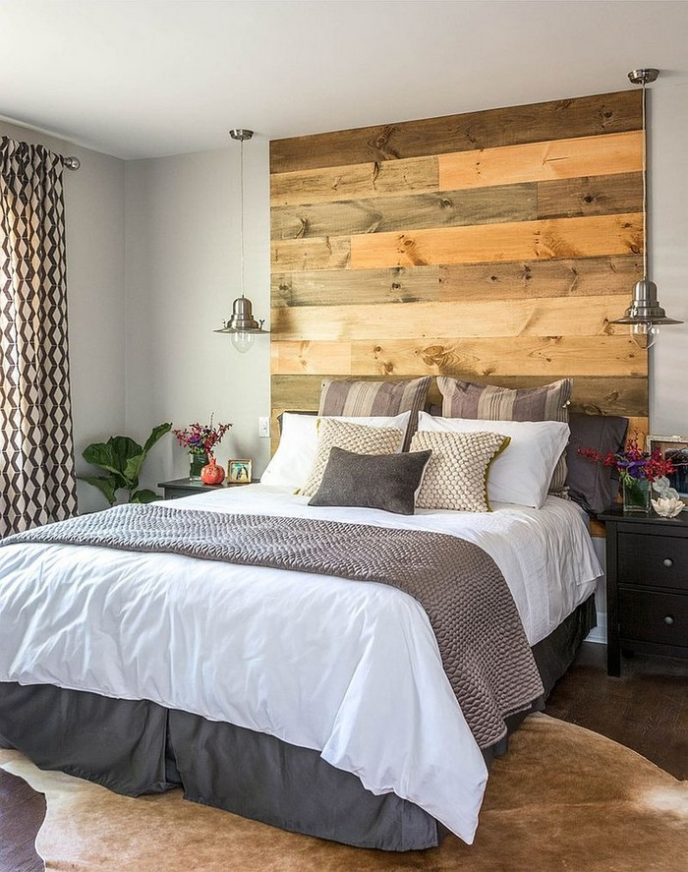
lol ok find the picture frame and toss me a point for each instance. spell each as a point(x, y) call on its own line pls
point(239, 471)
point(676, 449)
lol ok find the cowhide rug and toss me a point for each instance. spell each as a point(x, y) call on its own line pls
point(564, 798)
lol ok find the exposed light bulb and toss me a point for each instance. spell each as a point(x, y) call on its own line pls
point(644, 334)
point(242, 340)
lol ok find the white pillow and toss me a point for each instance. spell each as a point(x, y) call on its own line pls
point(522, 472)
point(298, 446)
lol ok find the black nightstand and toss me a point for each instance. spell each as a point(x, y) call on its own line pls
point(186, 487)
point(647, 585)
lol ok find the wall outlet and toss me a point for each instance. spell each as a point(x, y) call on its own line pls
point(264, 428)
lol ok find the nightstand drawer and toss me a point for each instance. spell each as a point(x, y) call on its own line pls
point(657, 561)
point(173, 493)
point(649, 616)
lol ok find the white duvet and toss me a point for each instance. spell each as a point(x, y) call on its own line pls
point(348, 668)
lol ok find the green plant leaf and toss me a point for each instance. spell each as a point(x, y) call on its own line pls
point(143, 496)
point(107, 486)
point(157, 434)
point(113, 456)
point(135, 462)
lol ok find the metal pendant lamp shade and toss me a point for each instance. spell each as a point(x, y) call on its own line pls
point(242, 326)
point(645, 315)
point(644, 306)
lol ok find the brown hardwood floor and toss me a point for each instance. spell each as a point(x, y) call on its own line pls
point(646, 709)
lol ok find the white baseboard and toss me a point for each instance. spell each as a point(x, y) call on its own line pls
point(599, 633)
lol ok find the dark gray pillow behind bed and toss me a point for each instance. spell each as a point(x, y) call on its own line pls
point(592, 485)
point(374, 481)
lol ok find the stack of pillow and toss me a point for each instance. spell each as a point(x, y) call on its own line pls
point(371, 445)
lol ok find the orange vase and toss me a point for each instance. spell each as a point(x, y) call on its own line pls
point(212, 474)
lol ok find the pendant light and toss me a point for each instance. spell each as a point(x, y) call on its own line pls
point(644, 315)
point(242, 326)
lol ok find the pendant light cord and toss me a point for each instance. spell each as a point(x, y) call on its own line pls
point(241, 162)
point(644, 117)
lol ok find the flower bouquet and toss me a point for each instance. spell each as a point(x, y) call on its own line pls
point(199, 440)
point(637, 470)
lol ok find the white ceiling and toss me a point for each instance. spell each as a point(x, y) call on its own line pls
point(142, 78)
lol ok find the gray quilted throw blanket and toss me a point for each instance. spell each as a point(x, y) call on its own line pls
point(481, 639)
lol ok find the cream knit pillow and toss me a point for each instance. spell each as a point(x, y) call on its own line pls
point(335, 433)
point(456, 474)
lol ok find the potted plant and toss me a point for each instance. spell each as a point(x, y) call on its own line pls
point(122, 458)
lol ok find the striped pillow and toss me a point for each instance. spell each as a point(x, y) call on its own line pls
point(462, 399)
point(367, 399)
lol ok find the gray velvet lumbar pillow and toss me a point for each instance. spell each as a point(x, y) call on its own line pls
point(375, 481)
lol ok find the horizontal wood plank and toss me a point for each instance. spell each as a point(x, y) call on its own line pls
point(344, 287)
point(328, 252)
point(568, 277)
point(368, 180)
point(593, 395)
point(297, 358)
point(560, 316)
point(590, 236)
point(420, 211)
point(593, 195)
point(458, 282)
point(576, 356)
point(557, 119)
point(540, 161)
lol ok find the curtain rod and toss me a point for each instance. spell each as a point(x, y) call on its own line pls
point(72, 163)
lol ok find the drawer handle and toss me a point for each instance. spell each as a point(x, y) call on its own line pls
point(668, 562)
point(669, 620)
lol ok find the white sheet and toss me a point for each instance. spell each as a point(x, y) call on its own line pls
point(350, 669)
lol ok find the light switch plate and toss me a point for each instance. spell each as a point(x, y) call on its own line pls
point(264, 428)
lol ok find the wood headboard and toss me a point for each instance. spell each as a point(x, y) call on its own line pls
point(495, 246)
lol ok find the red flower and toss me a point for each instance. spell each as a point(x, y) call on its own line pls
point(632, 463)
point(201, 437)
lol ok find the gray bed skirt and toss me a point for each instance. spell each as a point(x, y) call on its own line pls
point(137, 747)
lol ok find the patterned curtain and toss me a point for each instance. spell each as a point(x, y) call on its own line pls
point(37, 482)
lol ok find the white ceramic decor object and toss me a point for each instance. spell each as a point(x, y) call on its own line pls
point(668, 507)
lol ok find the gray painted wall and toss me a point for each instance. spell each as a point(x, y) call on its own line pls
point(182, 273)
point(94, 206)
point(669, 253)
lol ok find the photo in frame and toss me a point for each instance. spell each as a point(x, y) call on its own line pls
point(239, 471)
point(674, 448)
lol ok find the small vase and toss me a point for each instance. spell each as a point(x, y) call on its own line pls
point(212, 474)
point(636, 496)
point(197, 460)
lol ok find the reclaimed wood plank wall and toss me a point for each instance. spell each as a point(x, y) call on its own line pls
point(495, 246)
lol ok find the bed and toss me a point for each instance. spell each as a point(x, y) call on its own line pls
point(312, 703)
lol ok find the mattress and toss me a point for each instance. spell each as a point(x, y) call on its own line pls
point(350, 670)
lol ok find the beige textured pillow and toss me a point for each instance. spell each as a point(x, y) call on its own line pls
point(333, 433)
point(456, 474)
